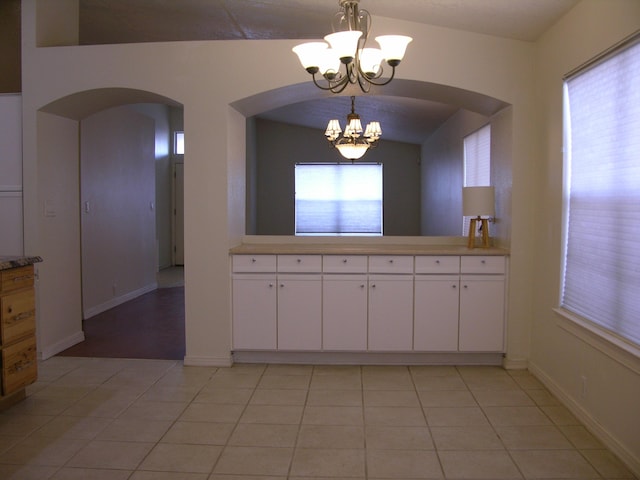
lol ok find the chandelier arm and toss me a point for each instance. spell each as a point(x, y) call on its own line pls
point(379, 84)
point(337, 87)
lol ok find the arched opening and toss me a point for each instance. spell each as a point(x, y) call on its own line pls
point(106, 183)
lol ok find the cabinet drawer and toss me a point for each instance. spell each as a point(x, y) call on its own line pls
point(16, 278)
point(482, 264)
point(17, 316)
point(437, 264)
point(391, 264)
point(254, 263)
point(19, 365)
point(300, 263)
point(344, 264)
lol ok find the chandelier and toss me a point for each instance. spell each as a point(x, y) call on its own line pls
point(363, 65)
point(353, 144)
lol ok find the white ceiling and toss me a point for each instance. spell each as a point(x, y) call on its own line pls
point(409, 120)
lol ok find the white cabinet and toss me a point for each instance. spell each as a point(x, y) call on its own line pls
point(482, 300)
point(375, 303)
point(299, 312)
point(254, 311)
point(481, 313)
point(436, 313)
point(344, 312)
point(390, 312)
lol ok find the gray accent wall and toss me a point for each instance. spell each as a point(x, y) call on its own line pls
point(278, 147)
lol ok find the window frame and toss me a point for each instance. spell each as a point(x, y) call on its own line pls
point(606, 340)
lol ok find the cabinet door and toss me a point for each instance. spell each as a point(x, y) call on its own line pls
point(390, 313)
point(299, 312)
point(344, 312)
point(435, 327)
point(481, 313)
point(254, 312)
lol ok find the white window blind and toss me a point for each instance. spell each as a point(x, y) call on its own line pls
point(477, 163)
point(338, 199)
point(601, 280)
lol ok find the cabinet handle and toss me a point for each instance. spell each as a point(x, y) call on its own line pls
point(282, 285)
point(391, 261)
point(362, 286)
point(373, 286)
point(299, 260)
point(22, 277)
point(253, 260)
point(10, 309)
point(271, 285)
point(438, 262)
point(453, 286)
point(344, 260)
point(483, 261)
point(466, 286)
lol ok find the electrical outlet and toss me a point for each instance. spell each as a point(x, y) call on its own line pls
point(583, 389)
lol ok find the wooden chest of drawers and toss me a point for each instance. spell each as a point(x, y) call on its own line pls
point(19, 367)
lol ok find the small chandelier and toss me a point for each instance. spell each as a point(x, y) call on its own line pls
point(351, 146)
point(363, 65)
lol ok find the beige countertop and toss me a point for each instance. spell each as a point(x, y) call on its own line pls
point(360, 249)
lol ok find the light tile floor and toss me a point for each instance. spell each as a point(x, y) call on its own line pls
point(117, 419)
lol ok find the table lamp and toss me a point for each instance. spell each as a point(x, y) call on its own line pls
point(478, 202)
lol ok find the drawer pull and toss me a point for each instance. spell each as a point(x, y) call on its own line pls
point(453, 286)
point(391, 261)
point(253, 260)
point(22, 278)
point(22, 316)
point(344, 260)
point(362, 286)
point(271, 285)
point(9, 309)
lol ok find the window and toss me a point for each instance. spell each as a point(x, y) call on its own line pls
point(477, 163)
point(178, 143)
point(601, 270)
point(338, 199)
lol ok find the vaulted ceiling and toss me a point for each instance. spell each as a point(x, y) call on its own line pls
point(403, 119)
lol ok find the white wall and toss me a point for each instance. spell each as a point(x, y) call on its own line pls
point(501, 69)
point(561, 355)
point(117, 199)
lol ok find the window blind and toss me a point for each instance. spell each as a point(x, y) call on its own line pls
point(477, 163)
point(601, 280)
point(338, 199)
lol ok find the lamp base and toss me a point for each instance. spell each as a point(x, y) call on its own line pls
point(473, 223)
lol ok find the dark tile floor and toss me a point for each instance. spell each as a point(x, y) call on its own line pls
point(150, 326)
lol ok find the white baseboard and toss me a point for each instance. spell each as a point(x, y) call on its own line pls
point(114, 302)
point(194, 361)
point(602, 434)
point(515, 363)
point(62, 345)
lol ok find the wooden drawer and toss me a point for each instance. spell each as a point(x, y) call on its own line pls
point(344, 264)
point(299, 263)
point(16, 279)
point(17, 316)
point(19, 365)
point(391, 264)
point(437, 264)
point(482, 264)
point(253, 263)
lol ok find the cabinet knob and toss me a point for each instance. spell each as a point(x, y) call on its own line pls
point(391, 261)
point(282, 285)
point(271, 285)
point(373, 286)
point(466, 286)
point(299, 260)
point(9, 310)
point(253, 260)
point(453, 286)
point(438, 261)
point(344, 260)
point(362, 286)
point(483, 261)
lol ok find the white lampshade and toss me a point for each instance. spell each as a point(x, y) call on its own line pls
point(344, 43)
point(353, 128)
point(352, 151)
point(373, 131)
point(329, 62)
point(310, 53)
point(393, 46)
point(478, 201)
point(370, 60)
point(333, 130)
